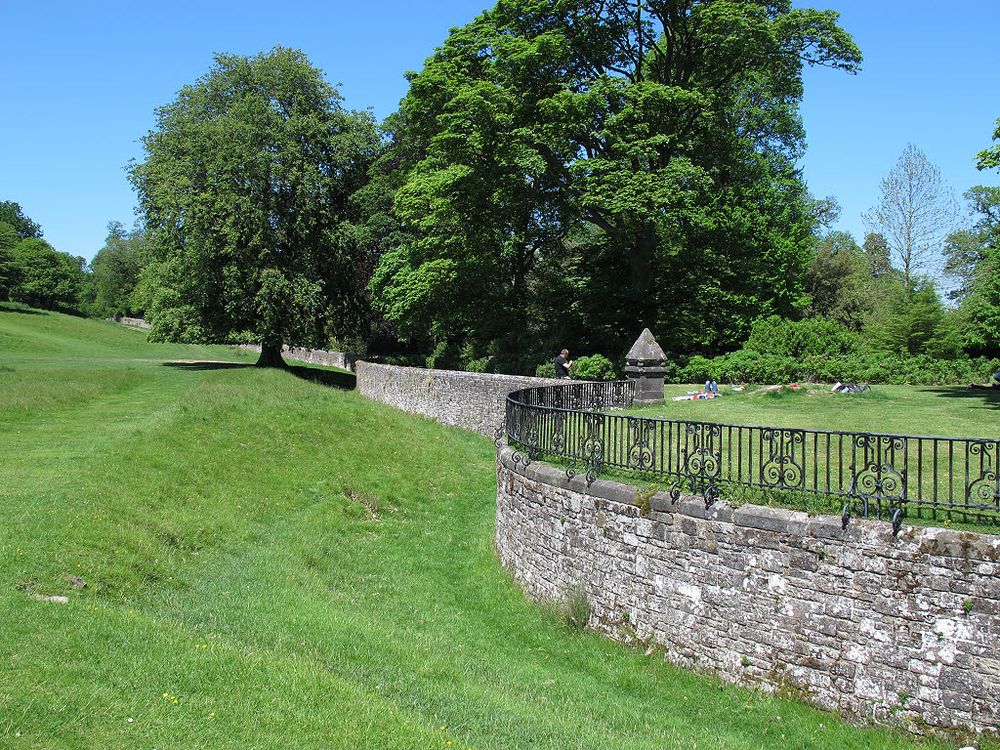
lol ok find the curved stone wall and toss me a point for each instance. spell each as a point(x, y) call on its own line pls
point(470, 400)
point(890, 629)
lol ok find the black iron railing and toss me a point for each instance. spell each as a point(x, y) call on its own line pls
point(883, 475)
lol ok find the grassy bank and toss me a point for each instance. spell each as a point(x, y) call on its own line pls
point(269, 562)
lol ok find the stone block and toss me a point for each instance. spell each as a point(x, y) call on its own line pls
point(777, 520)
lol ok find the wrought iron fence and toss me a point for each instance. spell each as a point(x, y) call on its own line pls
point(883, 475)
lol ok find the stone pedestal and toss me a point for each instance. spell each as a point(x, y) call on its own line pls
point(645, 366)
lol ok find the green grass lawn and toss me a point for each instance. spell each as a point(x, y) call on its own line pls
point(923, 411)
point(273, 563)
point(948, 411)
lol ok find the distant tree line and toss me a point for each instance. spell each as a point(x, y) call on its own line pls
point(32, 271)
point(559, 174)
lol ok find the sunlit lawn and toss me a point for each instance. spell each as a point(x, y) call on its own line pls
point(270, 562)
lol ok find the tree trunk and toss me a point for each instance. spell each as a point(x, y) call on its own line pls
point(270, 356)
point(641, 267)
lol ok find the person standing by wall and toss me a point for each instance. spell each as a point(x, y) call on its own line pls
point(562, 364)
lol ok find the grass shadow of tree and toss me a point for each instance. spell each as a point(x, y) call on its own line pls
point(195, 365)
point(990, 397)
point(330, 378)
point(14, 308)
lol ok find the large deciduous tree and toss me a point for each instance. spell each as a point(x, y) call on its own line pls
point(915, 213)
point(245, 190)
point(607, 166)
point(978, 263)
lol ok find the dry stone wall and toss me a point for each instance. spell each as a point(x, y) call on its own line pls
point(470, 400)
point(897, 630)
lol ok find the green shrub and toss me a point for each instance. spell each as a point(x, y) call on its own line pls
point(697, 370)
point(594, 367)
point(747, 366)
point(801, 338)
point(545, 370)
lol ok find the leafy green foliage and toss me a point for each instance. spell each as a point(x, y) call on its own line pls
point(975, 260)
point(12, 214)
point(593, 367)
point(910, 321)
point(575, 172)
point(990, 158)
point(845, 283)
point(116, 269)
point(545, 370)
point(981, 310)
point(747, 366)
point(801, 338)
point(245, 190)
point(8, 240)
point(45, 277)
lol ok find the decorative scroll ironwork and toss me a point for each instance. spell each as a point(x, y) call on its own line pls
point(640, 443)
point(984, 490)
point(530, 433)
point(878, 478)
point(557, 440)
point(703, 458)
point(593, 445)
point(781, 470)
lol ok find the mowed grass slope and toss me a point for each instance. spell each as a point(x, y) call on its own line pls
point(271, 563)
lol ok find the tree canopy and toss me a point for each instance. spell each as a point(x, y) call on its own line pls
point(989, 158)
point(116, 270)
point(12, 214)
point(975, 259)
point(245, 193)
point(45, 277)
point(622, 164)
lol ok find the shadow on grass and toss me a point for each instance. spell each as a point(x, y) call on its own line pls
point(329, 378)
point(194, 366)
point(8, 307)
point(990, 397)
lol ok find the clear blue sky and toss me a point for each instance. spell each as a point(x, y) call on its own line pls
point(83, 80)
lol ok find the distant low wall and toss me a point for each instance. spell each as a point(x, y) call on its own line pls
point(343, 360)
point(134, 322)
point(470, 400)
point(896, 630)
